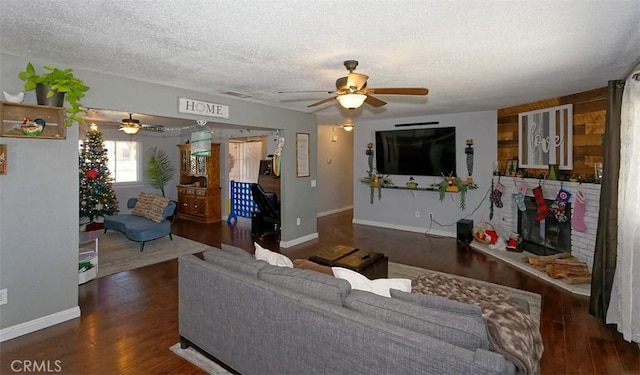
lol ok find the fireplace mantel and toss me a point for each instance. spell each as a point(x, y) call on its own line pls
point(505, 219)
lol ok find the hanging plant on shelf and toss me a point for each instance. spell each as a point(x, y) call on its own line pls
point(376, 181)
point(454, 184)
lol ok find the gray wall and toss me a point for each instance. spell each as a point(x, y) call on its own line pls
point(39, 227)
point(335, 169)
point(397, 208)
point(39, 197)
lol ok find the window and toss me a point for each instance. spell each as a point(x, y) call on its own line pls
point(124, 163)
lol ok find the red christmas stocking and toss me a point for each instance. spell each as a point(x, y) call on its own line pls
point(543, 209)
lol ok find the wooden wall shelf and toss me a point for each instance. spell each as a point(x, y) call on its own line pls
point(13, 114)
point(406, 188)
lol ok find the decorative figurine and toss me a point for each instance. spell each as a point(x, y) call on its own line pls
point(513, 244)
point(369, 153)
point(469, 152)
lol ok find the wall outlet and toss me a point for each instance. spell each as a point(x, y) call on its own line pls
point(3, 297)
point(297, 221)
point(417, 214)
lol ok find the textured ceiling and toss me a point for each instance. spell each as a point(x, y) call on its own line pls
point(472, 55)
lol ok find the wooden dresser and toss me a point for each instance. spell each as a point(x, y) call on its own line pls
point(199, 189)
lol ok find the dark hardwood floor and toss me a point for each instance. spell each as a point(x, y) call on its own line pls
point(130, 319)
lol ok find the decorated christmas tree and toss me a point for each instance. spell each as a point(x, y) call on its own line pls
point(97, 198)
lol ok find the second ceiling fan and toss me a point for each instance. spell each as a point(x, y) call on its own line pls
point(351, 91)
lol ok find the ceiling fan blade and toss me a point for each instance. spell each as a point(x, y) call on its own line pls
point(356, 80)
point(321, 102)
point(303, 91)
point(373, 101)
point(400, 91)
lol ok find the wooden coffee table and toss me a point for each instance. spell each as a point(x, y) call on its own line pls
point(370, 264)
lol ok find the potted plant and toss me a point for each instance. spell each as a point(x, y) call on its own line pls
point(159, 168)
point(57, 81)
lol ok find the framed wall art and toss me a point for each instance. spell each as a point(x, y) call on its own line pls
point(545, 137)
point(3, 158)
point(302, 155)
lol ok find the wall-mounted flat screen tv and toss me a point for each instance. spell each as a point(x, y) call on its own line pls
point(416, 152)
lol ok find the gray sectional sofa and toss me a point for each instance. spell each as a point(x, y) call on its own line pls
point(257, 318)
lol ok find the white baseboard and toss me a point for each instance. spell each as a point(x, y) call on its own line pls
point(39, 323)
point(334, 211)
point(404, 228)
point(297, 241)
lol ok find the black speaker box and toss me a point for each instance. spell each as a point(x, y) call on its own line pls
point(464, 231)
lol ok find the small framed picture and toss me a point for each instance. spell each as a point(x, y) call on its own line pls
point(512, 167)
point(3, 158)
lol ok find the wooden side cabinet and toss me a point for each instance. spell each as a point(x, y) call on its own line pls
point(199, 193)
point(13, 114)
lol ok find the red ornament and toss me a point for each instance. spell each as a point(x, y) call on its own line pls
point(92, 173)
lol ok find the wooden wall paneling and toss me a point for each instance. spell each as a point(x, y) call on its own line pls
point(589, 118)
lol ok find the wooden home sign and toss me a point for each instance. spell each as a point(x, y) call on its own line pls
point(545, 137)
point(198, 107)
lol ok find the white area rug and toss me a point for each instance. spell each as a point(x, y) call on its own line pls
point(117, 253)
point(199, 360)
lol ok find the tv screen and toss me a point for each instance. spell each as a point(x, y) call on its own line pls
point(416, 152)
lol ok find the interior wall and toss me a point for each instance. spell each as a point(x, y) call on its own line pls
point(39, 197)
point(39, 229)
point(129, 95)
point(335, 169)
point(409, 210)
point(589, 113)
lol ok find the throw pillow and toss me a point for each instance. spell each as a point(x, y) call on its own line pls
point(379, 286)
point(307, 282)
point(437, 302)
point(235, 263)
point(271, 257)
point(229, 249)
point(150, 206)
point(461, 330)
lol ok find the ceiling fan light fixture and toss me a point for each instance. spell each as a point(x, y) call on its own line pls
point(130, 129)
point(130, 125)
point(351, 101)
point(347, 127)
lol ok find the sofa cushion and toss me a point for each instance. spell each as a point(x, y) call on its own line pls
point(457, 329)
point(307, 282)
point(378, 286)
point(229, 249)
point(437, 302)
point(247, 266)
point(271, 257)
point(150, 206)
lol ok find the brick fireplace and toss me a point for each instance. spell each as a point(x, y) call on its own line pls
point(582, 244)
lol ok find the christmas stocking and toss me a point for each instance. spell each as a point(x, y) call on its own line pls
point(577, 220)
point(496, 194)
point(543, 209)
point(558, 206)
point(519, 197)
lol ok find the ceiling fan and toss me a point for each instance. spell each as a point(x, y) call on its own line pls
point(351, 91)
point(128, 125)
point(131, 126)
